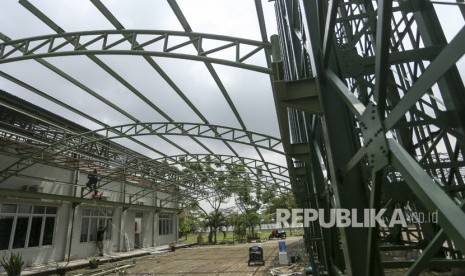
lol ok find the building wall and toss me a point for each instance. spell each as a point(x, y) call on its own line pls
point(47, 253)
point(69, 219)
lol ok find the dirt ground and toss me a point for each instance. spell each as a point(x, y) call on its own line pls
point(219, 260)
point(203, 260)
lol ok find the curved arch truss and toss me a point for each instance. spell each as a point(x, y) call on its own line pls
point(159, 43)
point(168, 168)
point(162, 173)
point(86, 143)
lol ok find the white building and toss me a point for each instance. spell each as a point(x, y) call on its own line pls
point(46, 212)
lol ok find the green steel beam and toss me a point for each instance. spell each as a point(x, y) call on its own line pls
point(366, 65)
point(327, 35)
point(139, 129)
point(79, 200)
point(119, 26)
point(450, 216)
point(152, 168)
point(68, 107)
point(135, 45)
point(179, 14)
point(198, 45)
point(382, 47)
point(438, 263)
point(10, 51)
point(440, 65)
point(301, 95)
point(355, 105)
point(394, 65)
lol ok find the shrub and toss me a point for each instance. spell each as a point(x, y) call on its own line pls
point(13, 265)
point(94, 262)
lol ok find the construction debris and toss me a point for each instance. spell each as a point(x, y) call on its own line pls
point(291, 270)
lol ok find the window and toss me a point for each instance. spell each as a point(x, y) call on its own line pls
point(165, 224)
point(91, 219)
point(6, 224)
point(26, 226)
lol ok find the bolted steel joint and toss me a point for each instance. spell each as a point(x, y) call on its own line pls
point(374, 138)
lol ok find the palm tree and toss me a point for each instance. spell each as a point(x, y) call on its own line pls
point(213, 221)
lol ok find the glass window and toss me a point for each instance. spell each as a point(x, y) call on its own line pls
point(91, 219)
point(26, 226)
point(93, 230)
point(24, 209)
point(84, 229)
point(19, 240)
point(109, 231)
point(36, 229)
point(6, 223)
point(165, 224)
point(49, 228)
point(39, 209)
point(9, 208)
point(51, 210)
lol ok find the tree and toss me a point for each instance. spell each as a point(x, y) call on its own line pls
point(252, 219)
point(237, 221)
point(187, 222)
point(214, 220)
point(282, 201)
point(218, 183)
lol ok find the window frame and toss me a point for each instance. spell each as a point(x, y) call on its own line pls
point(30, 216)
point(95, 216)
point(165, 224)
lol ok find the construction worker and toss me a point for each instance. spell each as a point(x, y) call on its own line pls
point(93, 179)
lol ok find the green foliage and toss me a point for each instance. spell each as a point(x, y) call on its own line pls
point(214, 220)
point(252, 219)
point(243, 223)
point(240, 232)
point(283, 201)
point(12, 265)
point(218, 183)
point(236, 220)
point(187, 222)
point(240, 236)
point(93, 262)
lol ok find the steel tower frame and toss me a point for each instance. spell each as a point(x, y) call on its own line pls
point(370, 102)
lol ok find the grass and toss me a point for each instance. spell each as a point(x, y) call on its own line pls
point(192, 238)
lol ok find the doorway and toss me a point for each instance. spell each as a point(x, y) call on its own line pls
point(138, 233)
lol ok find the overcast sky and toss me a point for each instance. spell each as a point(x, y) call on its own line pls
point(250, 91)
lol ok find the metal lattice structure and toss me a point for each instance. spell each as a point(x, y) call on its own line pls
point(382, 127)
point(34, 137)
point(370, 103)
